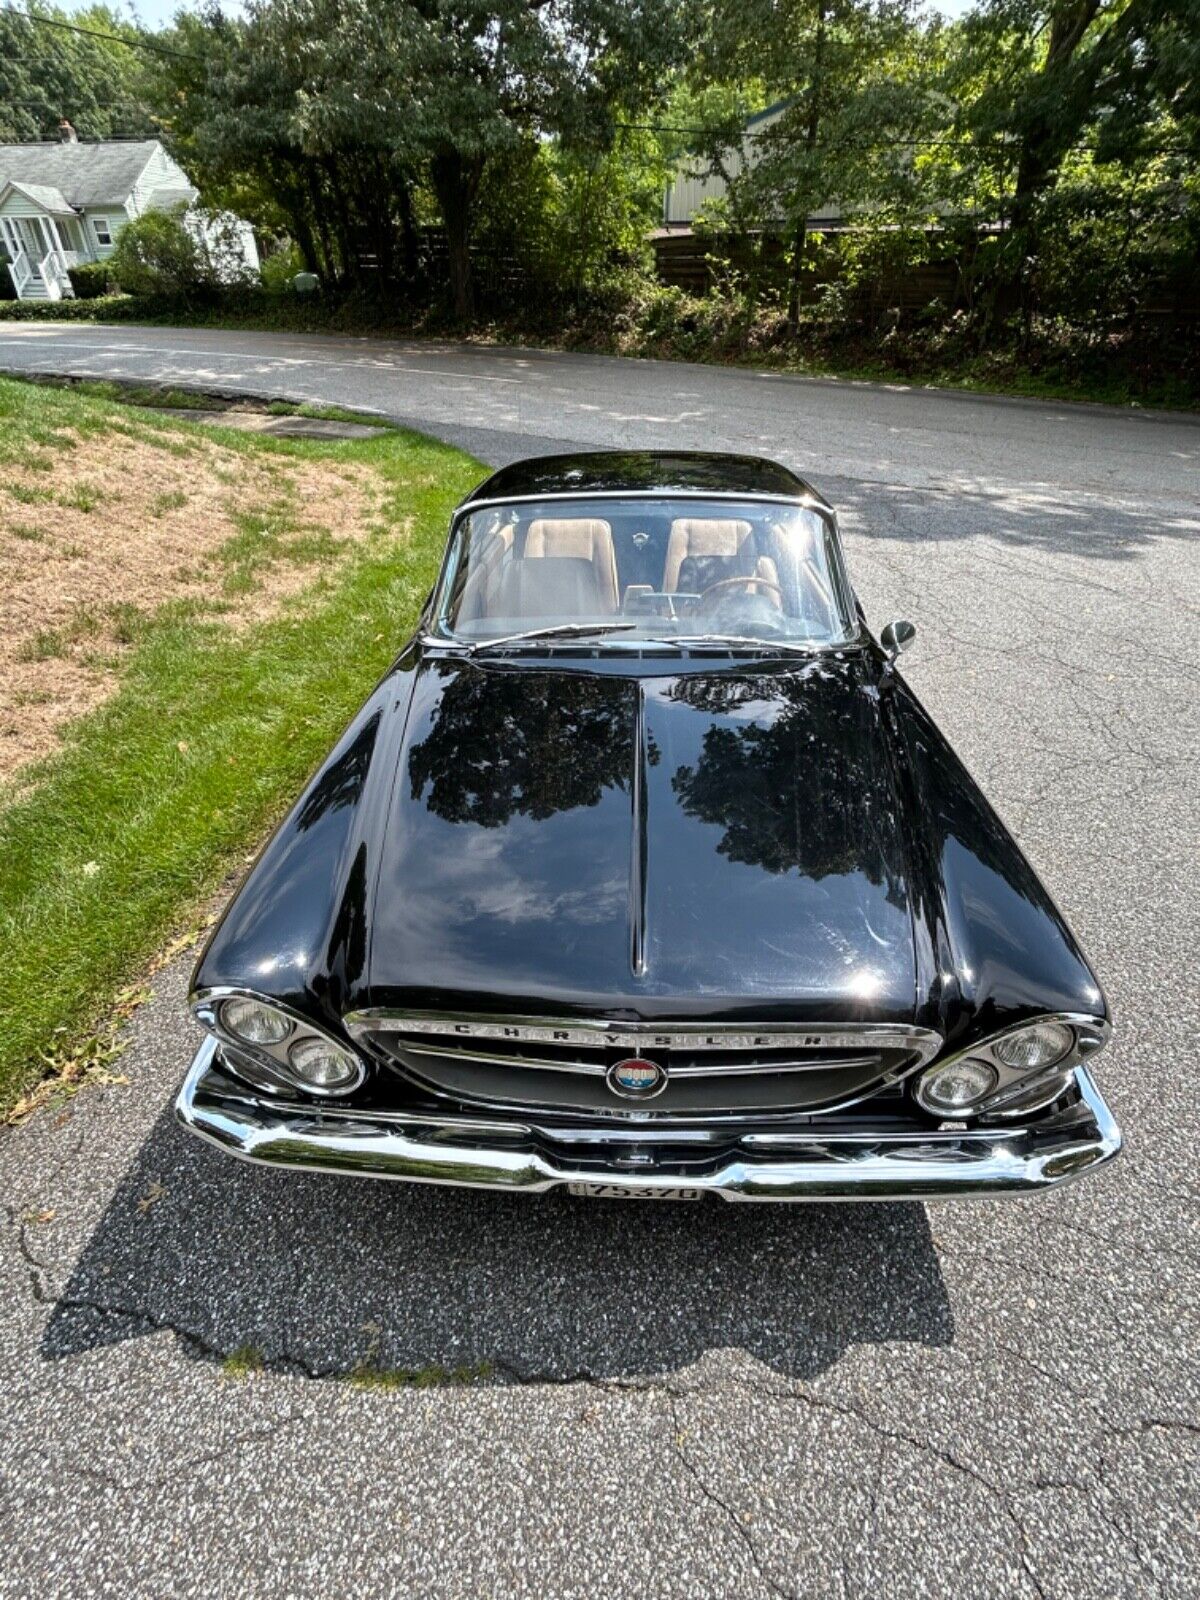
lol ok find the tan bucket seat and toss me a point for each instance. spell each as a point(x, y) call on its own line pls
point(704, 550)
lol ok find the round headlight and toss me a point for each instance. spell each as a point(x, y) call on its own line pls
point(954, 1088)
point(322, 1065)
point(1031, 1048)
point(253, 1022)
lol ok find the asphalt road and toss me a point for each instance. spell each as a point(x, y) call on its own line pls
point(981, 1399)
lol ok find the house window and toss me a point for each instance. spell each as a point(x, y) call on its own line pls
point(102, 230)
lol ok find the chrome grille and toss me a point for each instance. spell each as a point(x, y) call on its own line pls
point(540, 1065)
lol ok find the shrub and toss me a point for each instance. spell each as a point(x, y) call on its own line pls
point(109, 307)
point(7, 287)
point(156, 255)
point(89, 279)
point(280, 267)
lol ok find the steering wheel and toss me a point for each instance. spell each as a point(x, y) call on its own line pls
point(747, 581)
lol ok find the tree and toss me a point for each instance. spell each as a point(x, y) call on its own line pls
point(48, 73)
point(1039, 81)
point(228, 98)
point(851, 104)
point(361, 106)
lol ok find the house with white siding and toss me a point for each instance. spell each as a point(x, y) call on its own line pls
point(696, 182)
point(65, 201)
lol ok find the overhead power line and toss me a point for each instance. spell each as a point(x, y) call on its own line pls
point(642, 127)
point(911, 142)
point(98, 33)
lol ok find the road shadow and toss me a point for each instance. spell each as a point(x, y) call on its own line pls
point(1032, 518)
point(324, 1274)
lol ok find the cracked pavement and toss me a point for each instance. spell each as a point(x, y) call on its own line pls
point(977, 1399)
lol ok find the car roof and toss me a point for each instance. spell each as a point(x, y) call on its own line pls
point(643, 472)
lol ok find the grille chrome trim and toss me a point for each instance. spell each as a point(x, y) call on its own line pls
point(595, 1069)
point(831, 1066)
point(457, 1052)
point(923, 1043)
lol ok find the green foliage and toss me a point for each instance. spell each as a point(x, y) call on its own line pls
point(114, 306)
point(280, 267)
point(90, 279)
point(363, 119)
point(157, 255)
point(48, 73)
point(1025, 177)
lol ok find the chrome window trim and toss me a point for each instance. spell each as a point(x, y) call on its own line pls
point(205, 1006)
point(662, 648)
point(857, 634)
point(806, 502)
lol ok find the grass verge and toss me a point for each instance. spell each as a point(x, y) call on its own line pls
point(116, 841)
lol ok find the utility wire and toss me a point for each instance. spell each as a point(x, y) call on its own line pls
point(97, 33)
point(643, 127)
point(910, 142)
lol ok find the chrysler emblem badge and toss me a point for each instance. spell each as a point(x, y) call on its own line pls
point(635, 1078)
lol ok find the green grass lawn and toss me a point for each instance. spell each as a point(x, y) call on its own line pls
point(110, 847)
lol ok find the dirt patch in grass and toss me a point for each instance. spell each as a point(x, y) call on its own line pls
point(100, 533)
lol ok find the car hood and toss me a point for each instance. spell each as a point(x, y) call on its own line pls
point(705, 843)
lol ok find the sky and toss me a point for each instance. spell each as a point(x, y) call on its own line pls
point(153, 13)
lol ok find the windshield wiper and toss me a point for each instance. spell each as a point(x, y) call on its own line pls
point(559, 630)
point(787, 646)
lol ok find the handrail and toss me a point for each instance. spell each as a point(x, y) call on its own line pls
point(20, 271)
point(53, 277)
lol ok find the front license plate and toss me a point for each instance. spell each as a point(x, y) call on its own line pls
point(620, 1191)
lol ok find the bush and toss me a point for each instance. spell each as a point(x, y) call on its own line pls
point(8, 289)
point(109, 307)
point(89, 279)
point(280, 267)
point(156, 255)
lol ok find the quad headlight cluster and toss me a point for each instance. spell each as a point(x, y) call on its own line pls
point(1020, 1070)
point(276, 1049)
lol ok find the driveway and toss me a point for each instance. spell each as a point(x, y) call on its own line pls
point(982, 1399)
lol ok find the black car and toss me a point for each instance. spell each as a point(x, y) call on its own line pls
point(643, 872)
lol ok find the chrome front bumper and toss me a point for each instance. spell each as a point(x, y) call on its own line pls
point(806, 1164)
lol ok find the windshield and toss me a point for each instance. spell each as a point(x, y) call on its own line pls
point(642, 568)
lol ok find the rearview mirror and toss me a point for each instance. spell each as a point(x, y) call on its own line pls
point(897, 637)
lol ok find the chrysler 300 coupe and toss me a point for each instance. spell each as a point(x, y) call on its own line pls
point(644, 873)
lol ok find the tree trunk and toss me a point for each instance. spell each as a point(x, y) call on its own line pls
point(408, 232)
point(345, 231)
point(456, 185)
point(292, 202)
point(799, 246)
point(317, 204)
point(1047, 135)
point(1046, 138)
point(812, 128)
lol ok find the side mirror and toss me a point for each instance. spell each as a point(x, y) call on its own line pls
point(896, 638)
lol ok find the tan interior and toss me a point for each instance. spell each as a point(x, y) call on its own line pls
point(582, 539)
point(481, 584)
point(723, 537)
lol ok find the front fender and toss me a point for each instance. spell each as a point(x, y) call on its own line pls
point(297, 928)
